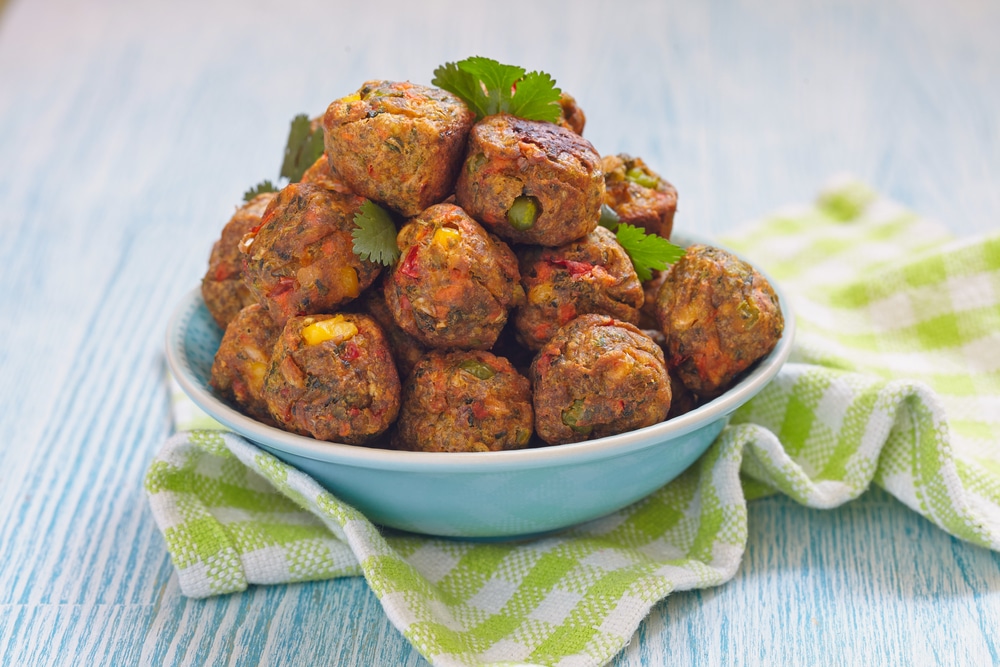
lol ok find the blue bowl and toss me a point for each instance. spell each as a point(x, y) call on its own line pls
point(482, 494)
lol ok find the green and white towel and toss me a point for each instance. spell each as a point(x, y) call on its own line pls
point(894, 379)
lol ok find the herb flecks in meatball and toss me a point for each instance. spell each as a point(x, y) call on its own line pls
point(242, 360)
point(597, 377)
point(465, 401)
point(454, 283)
point(639, 195)
point(591, 275)
point(332, 377)
point(719, 316)
point(398, 143)
point(406, 350)
point(222, 287)
point(301, 259)
point(531, 181)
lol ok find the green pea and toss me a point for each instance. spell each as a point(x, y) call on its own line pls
point(640, 177)
point(574, 414)
point(523, 213)
point(750, 313)
point(477, 368)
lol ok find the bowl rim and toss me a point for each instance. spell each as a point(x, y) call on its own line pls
point(470, 462)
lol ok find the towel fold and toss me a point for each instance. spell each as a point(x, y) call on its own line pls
point(894, 379)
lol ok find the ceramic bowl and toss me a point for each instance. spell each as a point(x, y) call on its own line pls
point(483, 494)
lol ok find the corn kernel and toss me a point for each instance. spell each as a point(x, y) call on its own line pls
point(348, 279)
point(256, 371)
point(446, 237)
point(335, 329)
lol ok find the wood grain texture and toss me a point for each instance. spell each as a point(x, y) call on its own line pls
point(129, 131)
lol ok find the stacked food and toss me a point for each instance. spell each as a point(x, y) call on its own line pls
point(460, 270)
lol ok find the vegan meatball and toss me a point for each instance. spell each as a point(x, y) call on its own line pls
point(398, 143)
point(301, 258)
point(222, 287)
point(571, 116)
point(598, 376)
point(332, 377)
point(242, 359)
point(320, 173)
point(464, 401)
point(591, 275)
point(639, 195)
point(530, 181)
point(719, 316)
point(406, 350)
point(454, 283)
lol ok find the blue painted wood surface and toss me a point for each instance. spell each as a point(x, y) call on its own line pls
point(128, 132)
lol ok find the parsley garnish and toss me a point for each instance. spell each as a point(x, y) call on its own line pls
point(647, 251)
point(490, 87)
point(304, 147)
point(375, 236)
point(259, 189)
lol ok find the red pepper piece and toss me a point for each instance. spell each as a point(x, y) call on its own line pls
point(575, 268)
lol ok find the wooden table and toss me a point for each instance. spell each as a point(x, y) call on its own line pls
point(128, 132)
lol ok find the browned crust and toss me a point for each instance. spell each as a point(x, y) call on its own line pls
point(448, 409)
point(343, 392)
point(398, 143)
point(509, 157)
point(597, 377)
point(719, 316)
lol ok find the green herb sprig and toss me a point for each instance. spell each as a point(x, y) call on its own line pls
point(259, 189)
point(648, 252)
point(304, 147)
point(490, 87)
point(375, 235)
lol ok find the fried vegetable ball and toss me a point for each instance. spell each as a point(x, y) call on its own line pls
point(454, 283)
point(332, 377)
point(398, 143)
point(301, 258)
point(406, 350)
point(320, 173)
point(639, 195)
point(597, 377)
point(591, 275)
point(719, 316)
point(464, 401)
point(531, 181)
point(222, 287)
point(242, 359)
point(571, 116)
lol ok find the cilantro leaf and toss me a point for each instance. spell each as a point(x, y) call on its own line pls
point(536, 97)
point(497, 79)
point(259, 189)
point(490, 87)
point(449, 77)
point(304, 147)
point(647, 251)
point(375, 235)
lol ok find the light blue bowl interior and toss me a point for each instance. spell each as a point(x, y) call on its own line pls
point(477, 495)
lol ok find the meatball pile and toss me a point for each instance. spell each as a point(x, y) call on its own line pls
point(510, 319)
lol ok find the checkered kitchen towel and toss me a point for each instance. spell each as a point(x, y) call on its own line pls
point(895, 379)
